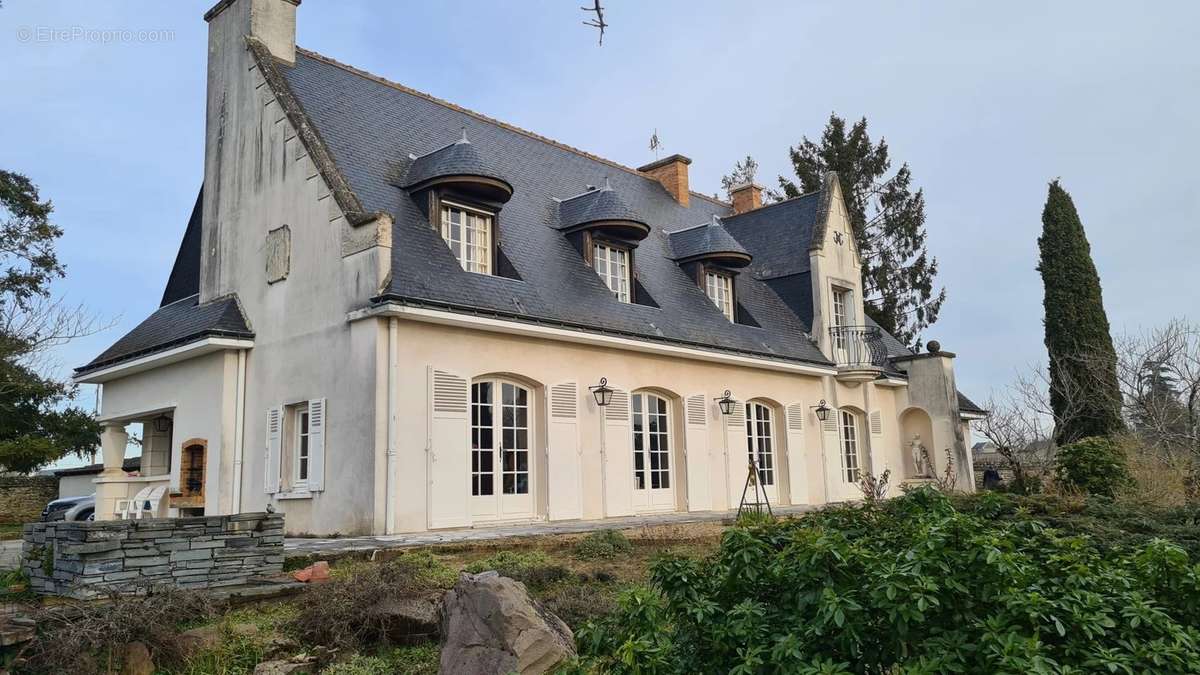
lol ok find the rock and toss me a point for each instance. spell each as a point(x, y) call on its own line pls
point(244, 630)
point(135, 660)
point(196, 640)
point(491, 625)
point(15, 630)
point(408, 620)
point(318, 571)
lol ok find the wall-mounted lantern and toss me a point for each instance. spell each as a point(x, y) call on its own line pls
point(726, 402)
point(162, 424)
point(822, 410)
point(602, 392)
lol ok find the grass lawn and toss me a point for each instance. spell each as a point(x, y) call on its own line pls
point(10, 531)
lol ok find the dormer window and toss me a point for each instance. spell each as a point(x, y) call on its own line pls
point(468, 233)
point(719, 287)
point(612, 264)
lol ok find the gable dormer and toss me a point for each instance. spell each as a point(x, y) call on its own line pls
point(839, 324)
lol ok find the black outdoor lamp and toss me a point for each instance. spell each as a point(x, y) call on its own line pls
point(822, 410)
point(602, 392)
point(162, 424)
point(726, 402)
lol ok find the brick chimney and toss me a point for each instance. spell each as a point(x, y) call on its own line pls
point(746, 197)
point(672, 172)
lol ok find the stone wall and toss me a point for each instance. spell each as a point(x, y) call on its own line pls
point(22, 498)
point(82, 559)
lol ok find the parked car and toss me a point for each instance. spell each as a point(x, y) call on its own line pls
point(71, 508)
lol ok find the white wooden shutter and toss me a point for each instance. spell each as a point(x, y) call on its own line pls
point(565, 478)
point(618, 456)
point(273, 450)
point(833, 457)
point(796, 456)
point(876, 423)
point(699, 492)
point(316, 445)
point(449, 450)
point(738, 461)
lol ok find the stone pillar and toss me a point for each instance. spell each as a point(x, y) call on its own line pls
point(111, 485)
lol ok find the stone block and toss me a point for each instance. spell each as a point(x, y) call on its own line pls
point(211, 543)
point(195, 554)
point(207, 563)
point(122, 576)
point(148, 561)
point(91, 547)
point(104, 567)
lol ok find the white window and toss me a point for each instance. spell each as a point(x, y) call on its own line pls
point(841, 307)
point(720, 290)
point(651, 443)
point(760, 442)
point(849, 429)
point(468, 233)
point(301, 446)
point(612, 264)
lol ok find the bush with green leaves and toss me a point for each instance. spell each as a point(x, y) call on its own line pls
point(533, 568)
point(604, 544)
point(1093, 465)
point(912, 585)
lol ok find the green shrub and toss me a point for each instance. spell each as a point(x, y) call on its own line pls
point(1093, 465)
point(533, 568)
point(753, 519)
point(911, 585)
point(591, 598)
point(604, 544)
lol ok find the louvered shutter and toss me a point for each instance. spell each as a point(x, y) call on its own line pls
point(699, 488)
point(316, 445)
point(738, 461)
point(273, 450)
point(565, 478)
point(876, 423)
point(449, 450)
point(618, 456)
point(796, 456)
point(833, 457)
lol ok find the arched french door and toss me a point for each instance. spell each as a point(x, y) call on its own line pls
point(761, 447)
point(849, 437)
point(653, 483)
point(501, 460)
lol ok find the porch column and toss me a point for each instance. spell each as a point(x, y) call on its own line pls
point(113, 441)
point(110, 486)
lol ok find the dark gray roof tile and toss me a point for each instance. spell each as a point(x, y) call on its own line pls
point(710, 239)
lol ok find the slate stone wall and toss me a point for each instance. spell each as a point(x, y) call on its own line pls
point(84, 559)
point(22, 498)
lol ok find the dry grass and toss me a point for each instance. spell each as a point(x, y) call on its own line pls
point(1157, 480)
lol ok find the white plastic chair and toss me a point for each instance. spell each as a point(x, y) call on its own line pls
point(148, 506)
point(127, 509)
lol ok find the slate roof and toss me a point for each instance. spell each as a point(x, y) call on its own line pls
point(459, 158)
point(185, 274)
point(710, 239)
point(967, 405)
point(778, 235)
point(371, 141)
point(175, 324)
point(595, 206)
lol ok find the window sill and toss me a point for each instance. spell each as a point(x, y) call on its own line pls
point(299, 494)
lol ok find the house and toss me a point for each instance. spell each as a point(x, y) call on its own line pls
point(77, 481)
point(391, 314)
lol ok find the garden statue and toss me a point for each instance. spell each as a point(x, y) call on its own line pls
point(920, 458)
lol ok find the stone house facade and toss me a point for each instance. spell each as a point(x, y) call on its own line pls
point(391, 314)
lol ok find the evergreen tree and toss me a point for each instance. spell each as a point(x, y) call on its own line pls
point(1083, 364)
point(36, 425)
point(888, 219)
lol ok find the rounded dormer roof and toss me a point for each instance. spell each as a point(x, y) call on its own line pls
point(602, 209)
point(710, 243)
point(462, 166)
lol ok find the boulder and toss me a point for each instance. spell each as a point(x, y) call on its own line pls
point(196, 640)
point(408, 620)
point(288, 667)
point(491, 625)
point(318, 571)
point(135, 660)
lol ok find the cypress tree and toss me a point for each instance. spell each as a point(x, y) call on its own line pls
point(1083, 364)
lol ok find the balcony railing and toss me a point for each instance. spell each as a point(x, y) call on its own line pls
point(858, 346)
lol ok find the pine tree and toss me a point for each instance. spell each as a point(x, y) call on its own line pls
point(1083, 364)
point(888, 219)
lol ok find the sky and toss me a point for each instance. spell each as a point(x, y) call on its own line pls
point(103, 109)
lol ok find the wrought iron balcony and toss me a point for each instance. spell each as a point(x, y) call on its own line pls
point(857, 347)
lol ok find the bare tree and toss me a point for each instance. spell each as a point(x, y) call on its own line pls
point(1017, 430)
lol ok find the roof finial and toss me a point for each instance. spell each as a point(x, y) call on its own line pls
point(607, 185)
point(464, 137)
point(716, 222)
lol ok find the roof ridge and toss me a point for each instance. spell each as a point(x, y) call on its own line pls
point(772, 204)
point(484, 118)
